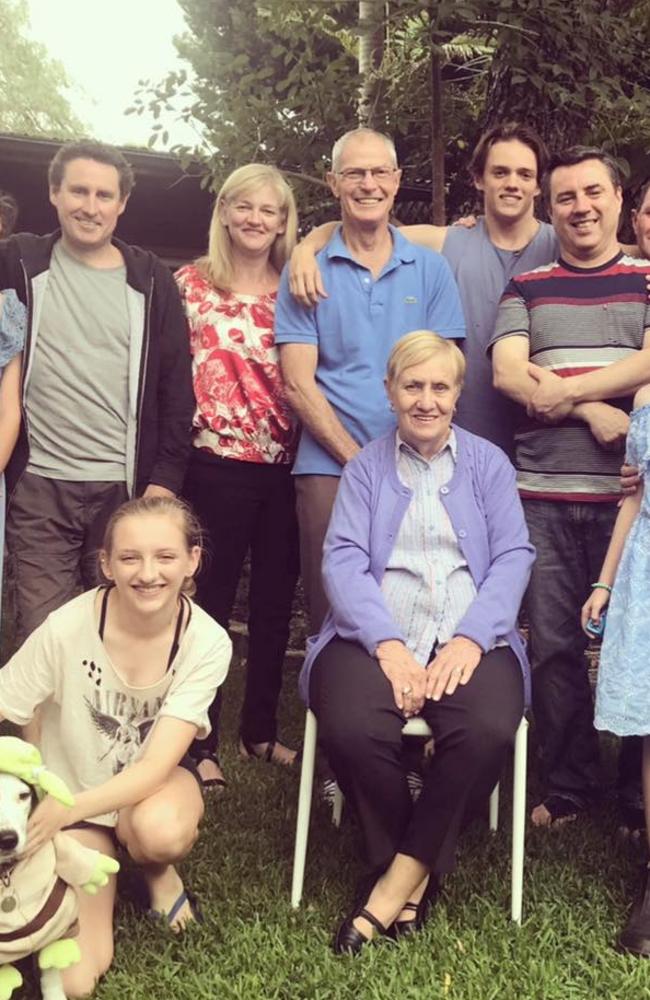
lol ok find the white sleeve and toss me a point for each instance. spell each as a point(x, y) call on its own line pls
point(195, 686)
point(30, 677)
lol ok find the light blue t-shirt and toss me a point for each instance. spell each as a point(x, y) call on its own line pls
point(355, 329)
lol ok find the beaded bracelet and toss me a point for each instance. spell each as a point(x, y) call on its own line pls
point(603, 586)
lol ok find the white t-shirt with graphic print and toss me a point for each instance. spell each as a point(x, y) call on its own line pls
point(93, 723)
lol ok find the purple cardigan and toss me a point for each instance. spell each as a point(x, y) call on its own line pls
point(486, 514)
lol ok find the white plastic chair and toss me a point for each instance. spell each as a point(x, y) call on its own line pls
point(415, 727)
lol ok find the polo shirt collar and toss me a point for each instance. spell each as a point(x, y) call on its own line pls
point(403, 251)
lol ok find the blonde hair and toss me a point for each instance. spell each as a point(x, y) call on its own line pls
point(217, 264)
point(419, 346)
point(173, 507)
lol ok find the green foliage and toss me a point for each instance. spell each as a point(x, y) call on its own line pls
point(277, 80)
point(32, 85)
point(271, 82)
point(574, 70)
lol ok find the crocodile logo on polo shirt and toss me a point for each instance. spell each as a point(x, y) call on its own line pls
point(410, 300)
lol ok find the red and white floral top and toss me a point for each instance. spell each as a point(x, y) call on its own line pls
point(241, 409)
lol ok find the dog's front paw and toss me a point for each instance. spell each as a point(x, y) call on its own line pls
point(105, 866)
point(10, 980)
point(59, 955)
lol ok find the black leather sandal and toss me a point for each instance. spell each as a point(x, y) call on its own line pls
point(269, 754)
point(209, 784)
point(420, 911)
point(348, 940)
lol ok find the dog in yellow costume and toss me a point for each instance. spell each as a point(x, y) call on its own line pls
point(38, 904)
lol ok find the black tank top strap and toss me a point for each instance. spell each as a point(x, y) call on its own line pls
point(184, 603)
point(102, 611)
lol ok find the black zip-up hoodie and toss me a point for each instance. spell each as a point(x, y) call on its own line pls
point(161, 397)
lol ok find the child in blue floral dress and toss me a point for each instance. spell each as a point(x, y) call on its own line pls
point(12, 335)
point(623, 691)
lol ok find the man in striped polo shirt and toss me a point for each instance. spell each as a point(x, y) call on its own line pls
point(581, 314)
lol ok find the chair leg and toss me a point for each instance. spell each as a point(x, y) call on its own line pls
point(519, 820)
point(494, 809)
point(337, 806)
point(304, 808)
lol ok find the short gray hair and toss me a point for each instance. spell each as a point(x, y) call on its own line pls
point(419, 346)
point(339, 145)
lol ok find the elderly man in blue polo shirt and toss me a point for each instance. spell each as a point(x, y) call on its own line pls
point(334, 354)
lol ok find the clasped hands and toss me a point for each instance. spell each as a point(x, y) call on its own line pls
point(412, 683)
point(552, 401)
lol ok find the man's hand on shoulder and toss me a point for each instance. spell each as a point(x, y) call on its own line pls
point(305, 281)
point(158, 491)
point(466, 222)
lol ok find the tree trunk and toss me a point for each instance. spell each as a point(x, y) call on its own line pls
point(371, 51)
point(437, 141)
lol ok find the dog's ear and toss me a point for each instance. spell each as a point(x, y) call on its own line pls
point(35, 799)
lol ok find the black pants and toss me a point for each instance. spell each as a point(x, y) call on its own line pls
point(247, 506)
point(360, 729)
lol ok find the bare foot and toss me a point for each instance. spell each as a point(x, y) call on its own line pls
point(279, 753)
point(165, 887)
point(541, 816)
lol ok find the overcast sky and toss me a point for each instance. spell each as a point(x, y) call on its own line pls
point(106, 46)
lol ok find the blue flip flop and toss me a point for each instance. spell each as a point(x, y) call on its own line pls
point(185, 897)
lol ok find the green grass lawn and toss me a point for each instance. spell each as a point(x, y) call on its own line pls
point(254, 947)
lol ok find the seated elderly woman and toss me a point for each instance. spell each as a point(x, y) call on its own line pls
point(425, 563)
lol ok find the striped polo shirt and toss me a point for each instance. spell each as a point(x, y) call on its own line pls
point(576, 319)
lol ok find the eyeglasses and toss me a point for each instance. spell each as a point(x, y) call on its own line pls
point(356, 174)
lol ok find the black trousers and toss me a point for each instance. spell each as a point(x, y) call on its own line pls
point(360, 729)
point(247, 506)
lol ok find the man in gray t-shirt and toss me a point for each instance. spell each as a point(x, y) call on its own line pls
point(107, 391)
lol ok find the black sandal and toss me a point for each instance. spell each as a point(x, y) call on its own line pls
point(348, 940)
point(247, 749)
point(420, 911)
point(209, 784)
point(561, 810)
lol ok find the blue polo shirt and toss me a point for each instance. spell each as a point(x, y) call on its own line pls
point(355, 329)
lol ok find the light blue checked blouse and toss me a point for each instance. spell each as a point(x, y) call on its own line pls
point(427, 584)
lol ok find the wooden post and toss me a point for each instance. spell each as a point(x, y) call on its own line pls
point(437, 134)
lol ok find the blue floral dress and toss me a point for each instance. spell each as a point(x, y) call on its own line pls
point(623, 691)
point(12, 337)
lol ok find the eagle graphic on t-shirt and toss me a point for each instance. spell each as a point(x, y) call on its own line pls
point(125, 736)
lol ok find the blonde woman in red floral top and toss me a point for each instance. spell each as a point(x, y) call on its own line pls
point(245, 436)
